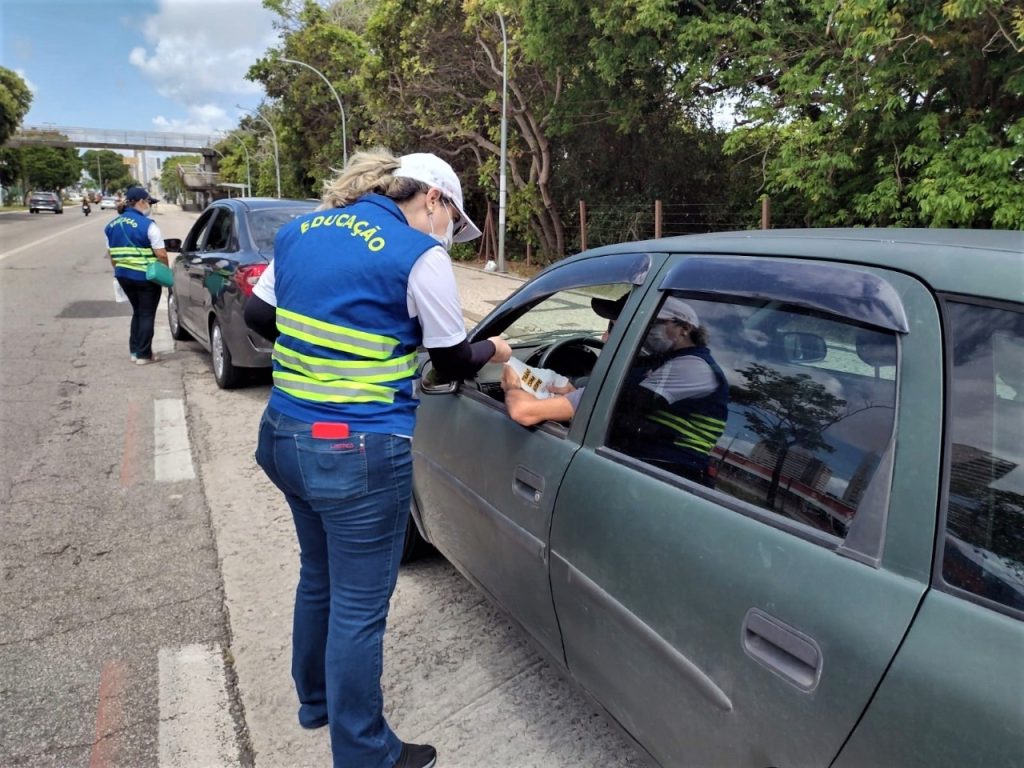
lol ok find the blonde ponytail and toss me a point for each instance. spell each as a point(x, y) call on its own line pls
point(368, 172)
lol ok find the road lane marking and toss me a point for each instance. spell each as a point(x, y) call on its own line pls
point(40, 241)
point(109, 716)
point(196, 728)
point(172, 454)
point(131, 431)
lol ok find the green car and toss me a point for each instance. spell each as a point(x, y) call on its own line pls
point(821, 562)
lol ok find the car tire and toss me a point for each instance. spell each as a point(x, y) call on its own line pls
point(227, 375)
point(174, 319)
point(415, 546)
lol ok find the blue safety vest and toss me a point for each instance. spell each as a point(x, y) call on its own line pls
point(129, 246)
point(347, 348)
point(689, 429)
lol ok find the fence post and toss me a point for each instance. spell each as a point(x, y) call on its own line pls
point(583, 225)
point(657, 219)
point(766, 212)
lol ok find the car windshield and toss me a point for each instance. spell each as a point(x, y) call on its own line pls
point(263, 225)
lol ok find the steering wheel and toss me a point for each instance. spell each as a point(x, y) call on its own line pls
point(572, 341)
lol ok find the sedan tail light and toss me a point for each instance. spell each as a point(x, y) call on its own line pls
point(247, 275)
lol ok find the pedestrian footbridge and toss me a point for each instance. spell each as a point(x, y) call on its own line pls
point(105, 138)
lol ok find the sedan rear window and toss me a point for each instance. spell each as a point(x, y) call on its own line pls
point(263, 225)
point(984, 537)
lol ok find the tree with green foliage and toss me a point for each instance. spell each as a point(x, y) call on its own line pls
point(107, 169)
point(15, 100)
point(170, 180)
point(307, 116)
point(866, 111)
point(49, 168)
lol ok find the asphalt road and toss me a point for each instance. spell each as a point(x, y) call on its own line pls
point(148, 565)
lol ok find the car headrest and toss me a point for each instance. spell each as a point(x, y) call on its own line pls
point(876, 349)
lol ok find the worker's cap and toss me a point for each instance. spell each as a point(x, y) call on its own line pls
point(134, 194)
point(679, 311)
point(609, 309)
point(435, 172)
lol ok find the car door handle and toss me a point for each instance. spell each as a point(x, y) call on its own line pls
point(529, 485)
point(786, 651)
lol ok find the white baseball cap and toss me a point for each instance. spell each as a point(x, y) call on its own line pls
point(435, 172)
point(677, 309)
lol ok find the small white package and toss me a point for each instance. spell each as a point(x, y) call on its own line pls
point(536, 380)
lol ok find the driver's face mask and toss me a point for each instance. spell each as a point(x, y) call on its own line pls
point(658, 341)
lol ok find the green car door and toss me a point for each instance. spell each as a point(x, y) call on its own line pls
point(485, 486)
point(746, 619)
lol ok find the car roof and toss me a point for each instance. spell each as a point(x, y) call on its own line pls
point(265, 203)
point(987, 263)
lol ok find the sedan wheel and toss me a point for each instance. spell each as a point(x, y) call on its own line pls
point(174, 319)
point(224, 371)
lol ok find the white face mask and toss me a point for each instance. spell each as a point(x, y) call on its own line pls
point(444, 239)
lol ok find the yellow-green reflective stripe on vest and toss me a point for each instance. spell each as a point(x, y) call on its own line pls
point(325, 369)
point(334, 336)
point(132, 257)
point(699, 433)
point(333, 391)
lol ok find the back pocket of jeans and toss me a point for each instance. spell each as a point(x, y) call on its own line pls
point(332, 469)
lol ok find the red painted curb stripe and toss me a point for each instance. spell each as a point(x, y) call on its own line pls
point(128, 458)
point(109, 716)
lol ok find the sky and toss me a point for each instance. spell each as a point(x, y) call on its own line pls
point(144, 65)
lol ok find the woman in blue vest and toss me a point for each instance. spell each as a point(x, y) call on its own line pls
point(354, 290)
point(133, 241)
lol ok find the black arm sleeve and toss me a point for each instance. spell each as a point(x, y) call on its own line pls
point(261, 317)
point(461, 361)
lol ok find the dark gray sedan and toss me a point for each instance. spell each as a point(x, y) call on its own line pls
point(217, 266)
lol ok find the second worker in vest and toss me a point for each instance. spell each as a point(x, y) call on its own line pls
point(133, 241)
point(354, 289)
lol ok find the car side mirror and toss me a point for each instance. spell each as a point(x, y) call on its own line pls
point(800, 347)
point(172, 244)
point(432, 384)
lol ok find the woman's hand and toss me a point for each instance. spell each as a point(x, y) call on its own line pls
point(502, 351)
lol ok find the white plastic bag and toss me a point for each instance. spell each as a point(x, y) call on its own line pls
point(536, 380)
point(119, 295)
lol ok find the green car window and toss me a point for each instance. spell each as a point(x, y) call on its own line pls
point(984, 535)
point(809, 412)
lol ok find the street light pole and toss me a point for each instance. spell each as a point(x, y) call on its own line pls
point(273, 133)
point(344, 134)
point(248, 174)
point(504, 140)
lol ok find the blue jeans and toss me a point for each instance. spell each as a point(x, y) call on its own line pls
point(350, 502)
point(144, 297)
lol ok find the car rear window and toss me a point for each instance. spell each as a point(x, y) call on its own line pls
point(263, 225)
point(984, 535)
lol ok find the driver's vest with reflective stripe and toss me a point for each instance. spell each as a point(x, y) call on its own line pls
point(129, 246)
point(695, 424)
point(347, 348)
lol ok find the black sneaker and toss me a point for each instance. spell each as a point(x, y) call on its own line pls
point(417, 756)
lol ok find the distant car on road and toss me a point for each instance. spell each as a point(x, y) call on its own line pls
point(845, 584)
point(218, 263)
point(108, 202)
point(45, 201)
